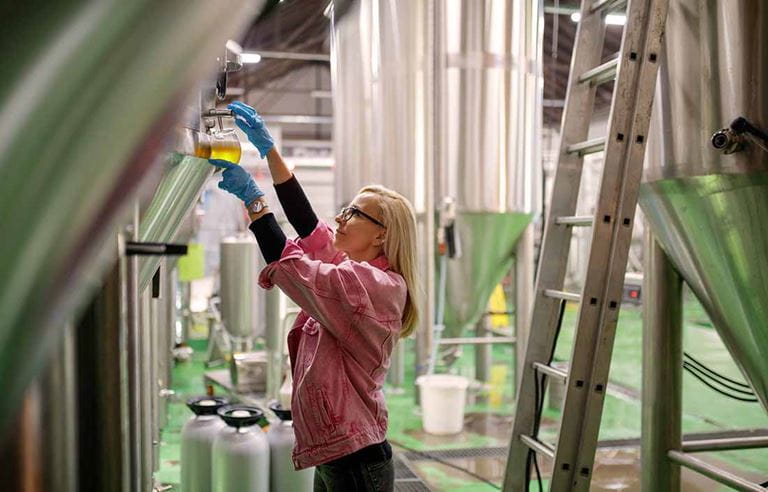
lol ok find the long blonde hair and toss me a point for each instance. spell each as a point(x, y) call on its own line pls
point(400, 247)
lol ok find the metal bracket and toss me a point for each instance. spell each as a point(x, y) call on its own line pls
point(135, 248)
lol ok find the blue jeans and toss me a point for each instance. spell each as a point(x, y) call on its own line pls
point(369, 470)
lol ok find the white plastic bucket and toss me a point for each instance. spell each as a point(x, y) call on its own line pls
point(442, 403)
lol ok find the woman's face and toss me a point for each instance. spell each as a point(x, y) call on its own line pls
point(359, 236)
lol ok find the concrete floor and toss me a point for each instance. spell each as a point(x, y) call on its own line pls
point(488, 417)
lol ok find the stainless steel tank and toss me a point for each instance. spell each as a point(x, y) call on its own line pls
point(282, 475)
point(239, 288)
point(241, 452)
point(183, 180)
point(490, 163)
point(197, 436)
point(381, 107)
point(376, 55)
point(708, 209)
point(83, 109)
point(483, 119)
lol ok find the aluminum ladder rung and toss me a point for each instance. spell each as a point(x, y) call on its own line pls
point(477, 340)
point(560, 294)
point(551, 371)
point(601, 73)
point(538, 446)
point(575, 220)
point(608, 5)
point(587, 147)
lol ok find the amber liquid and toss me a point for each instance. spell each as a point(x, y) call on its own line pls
point(225, 146)
point(203, 149)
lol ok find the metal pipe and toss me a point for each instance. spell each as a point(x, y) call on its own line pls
point(431, 115)
point(482, 350)
point(524, 287)
point(275, 333)
point(476, 340)
point(725, 444)
point(288, 55)
point(662, 368)
point(147, 324)
point(133, 368)
point(298, 119)
point(156, 331)
point(396, 374)
point(561, 9)
point(713, 472)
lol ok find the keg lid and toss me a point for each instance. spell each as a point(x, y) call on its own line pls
point(240, 415)
point(206, 405)
point(282, 414)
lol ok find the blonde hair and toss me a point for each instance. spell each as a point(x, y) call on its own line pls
point(400, 247)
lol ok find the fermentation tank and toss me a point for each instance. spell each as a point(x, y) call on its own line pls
point(239, 290)
point(708, 208)
point(89, 92)
point(441, 99)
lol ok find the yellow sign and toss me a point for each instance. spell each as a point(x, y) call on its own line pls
point(192, 265)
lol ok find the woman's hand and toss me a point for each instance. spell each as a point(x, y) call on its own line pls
point(238, 181)
point(249, 121)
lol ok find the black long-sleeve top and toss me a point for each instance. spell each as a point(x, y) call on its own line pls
point(299, 212)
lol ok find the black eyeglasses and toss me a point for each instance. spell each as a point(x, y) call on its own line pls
point(348, 212)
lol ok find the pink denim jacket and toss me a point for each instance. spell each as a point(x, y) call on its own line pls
point(340, 345)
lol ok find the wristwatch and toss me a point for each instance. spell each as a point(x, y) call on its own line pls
point(257, 206)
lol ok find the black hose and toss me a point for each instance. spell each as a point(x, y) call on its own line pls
point(723, 386)
point(691, 369)
point(717, 374)
point(539, 399)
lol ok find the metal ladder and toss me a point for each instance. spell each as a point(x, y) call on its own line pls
point(624, 148)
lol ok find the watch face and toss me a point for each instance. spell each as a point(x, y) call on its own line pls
point(257, 207)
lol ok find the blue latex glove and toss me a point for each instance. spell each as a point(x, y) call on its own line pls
point(248, 120)
point(237, 181)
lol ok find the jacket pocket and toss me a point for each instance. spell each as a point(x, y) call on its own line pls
point(305, 425)
point(327, 415)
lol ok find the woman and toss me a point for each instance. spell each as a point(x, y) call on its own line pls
point(356, 287)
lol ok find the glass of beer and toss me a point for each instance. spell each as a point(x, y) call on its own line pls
point(225, 145)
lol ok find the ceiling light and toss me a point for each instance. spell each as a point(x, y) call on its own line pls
point(610, 19)
point(250, 58)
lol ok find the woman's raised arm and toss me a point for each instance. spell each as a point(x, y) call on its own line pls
point(297, 208)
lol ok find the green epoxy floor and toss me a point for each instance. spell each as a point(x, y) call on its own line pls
point(489, 425)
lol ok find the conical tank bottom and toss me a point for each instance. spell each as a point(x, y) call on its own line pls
point(488, 242)
point(715, 230)
point(171, 204)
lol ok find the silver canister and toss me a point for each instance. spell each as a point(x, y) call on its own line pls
point(239, 289)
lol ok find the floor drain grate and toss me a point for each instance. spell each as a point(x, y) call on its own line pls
point(405, 479)
point(448, 454)
point(411, 485)
point(402, 472)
